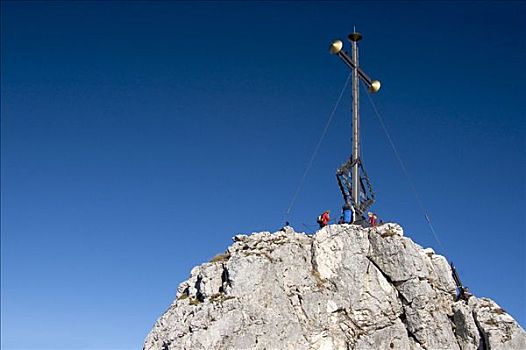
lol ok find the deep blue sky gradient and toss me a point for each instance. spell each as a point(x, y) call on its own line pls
point(138, 138)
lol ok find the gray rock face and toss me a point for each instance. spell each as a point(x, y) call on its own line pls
point(345, 287)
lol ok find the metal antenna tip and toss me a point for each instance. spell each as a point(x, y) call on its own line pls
point(355, 36)
point(336, 47)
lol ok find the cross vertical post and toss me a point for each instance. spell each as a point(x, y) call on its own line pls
point(354, 38)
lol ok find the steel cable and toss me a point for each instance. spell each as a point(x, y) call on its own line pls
point(316, 149)
point(404, 169)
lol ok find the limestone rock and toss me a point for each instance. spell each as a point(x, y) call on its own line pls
point(345, 287)
point(498, 329)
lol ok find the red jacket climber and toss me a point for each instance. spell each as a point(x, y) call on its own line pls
point(372, 219)
point(324, 218)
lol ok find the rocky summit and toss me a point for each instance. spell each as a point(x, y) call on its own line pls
point(345, 287)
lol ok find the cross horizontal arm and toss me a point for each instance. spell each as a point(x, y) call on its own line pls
point(343, 55)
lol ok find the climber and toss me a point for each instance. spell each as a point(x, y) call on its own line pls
point(372, 219)
point(463, 291)
point(348, 213)
point(324, 218)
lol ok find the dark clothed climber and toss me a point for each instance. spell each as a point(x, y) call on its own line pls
point(348, 214)
point(463, 292)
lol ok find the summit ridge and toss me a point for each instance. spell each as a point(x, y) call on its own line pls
point(344, 287)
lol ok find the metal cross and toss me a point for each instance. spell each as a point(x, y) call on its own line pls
point(351, 190)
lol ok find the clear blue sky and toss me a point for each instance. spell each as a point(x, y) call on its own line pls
point(138, 138)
